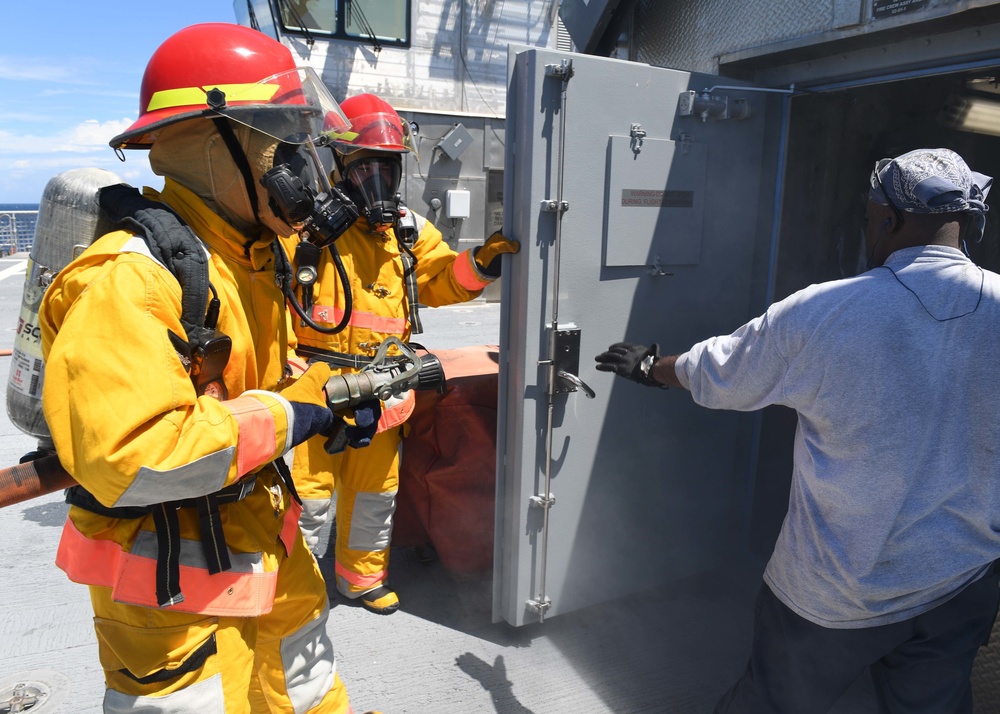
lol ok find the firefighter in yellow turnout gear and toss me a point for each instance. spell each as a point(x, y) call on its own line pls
point(205, 597)
point(388, 272)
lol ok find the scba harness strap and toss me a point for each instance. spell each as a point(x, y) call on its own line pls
point(172, 242)
point(165, 520)
point(407, 232)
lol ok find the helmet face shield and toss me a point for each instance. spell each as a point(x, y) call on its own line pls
point(292, 107)
point(220, 69)
point(377, 128)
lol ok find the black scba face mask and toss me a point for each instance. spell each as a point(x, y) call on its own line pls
point(293, 167)
point(295, 186)
point(374, 185)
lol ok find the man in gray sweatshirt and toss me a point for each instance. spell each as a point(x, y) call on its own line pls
point(885, 559)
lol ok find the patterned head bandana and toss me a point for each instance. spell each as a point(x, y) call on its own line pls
point(931, 181)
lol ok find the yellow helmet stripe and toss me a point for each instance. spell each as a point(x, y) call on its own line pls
point(191, 96)
point(342, 135)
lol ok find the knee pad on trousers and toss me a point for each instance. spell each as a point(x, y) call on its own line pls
point(310, 667)
point(315, 513)
point(205, 697)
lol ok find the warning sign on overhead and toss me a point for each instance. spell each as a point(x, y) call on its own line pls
point(889, 8)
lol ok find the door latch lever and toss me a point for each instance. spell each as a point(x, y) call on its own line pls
point(576, 382)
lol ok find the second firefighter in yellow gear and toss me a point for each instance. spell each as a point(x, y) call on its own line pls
point(388, 272)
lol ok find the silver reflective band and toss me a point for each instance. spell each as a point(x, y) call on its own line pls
point(205, 697)
point(371, 521)
point(309, 663)
point(198, 478)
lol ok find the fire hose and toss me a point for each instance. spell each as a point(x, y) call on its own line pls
point(383, 378)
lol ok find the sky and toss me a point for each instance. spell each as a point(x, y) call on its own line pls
point(70, 72)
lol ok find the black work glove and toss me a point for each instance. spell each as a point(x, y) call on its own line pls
point(633, 362)
point(366, 416)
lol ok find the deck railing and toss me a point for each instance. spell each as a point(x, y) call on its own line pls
point(17, 231)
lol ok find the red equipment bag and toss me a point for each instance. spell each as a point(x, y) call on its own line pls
point(447, 476)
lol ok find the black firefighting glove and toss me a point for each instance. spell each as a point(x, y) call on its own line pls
point(366, 416)
point(357, 435)
point(633, 362)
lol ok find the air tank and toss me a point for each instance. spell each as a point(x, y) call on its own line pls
point(69, 220)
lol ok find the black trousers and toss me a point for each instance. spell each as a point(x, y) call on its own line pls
point(918, 666)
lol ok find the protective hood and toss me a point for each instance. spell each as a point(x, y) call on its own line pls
point(195, 155)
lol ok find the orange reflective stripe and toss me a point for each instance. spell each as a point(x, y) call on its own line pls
point(371, 321)
point(466, 273)
point(396, 414)
point(132, 578)
point(223, 594)
point(290, 525)
point(361, 581)
point(298, 366)
point(87, 561)
point(258, 434)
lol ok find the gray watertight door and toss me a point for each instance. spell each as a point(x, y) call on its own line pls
point(643, 199)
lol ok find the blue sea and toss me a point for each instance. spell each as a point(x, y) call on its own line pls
point(18, 206)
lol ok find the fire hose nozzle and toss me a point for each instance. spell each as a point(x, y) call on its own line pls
point(384, 379)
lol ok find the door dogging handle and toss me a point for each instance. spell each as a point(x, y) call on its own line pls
point(577, 382)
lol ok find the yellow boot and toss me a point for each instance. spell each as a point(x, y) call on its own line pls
point(381, 600)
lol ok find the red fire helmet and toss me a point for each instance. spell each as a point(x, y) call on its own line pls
point(374, 125)
point(222, 69)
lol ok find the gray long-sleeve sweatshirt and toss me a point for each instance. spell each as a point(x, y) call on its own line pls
point(895, 375)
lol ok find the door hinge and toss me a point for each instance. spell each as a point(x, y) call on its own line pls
point(562, 71)
point(543, 502)
point(638, 134)
point(552, 206)
point(539, 605)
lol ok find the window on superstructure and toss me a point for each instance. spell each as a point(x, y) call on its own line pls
point(376, 22)
point(311, 15)
point(388, 20)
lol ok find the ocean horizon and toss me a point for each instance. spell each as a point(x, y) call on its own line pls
point(18, 206)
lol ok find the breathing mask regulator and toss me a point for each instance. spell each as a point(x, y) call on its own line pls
point(367, 139)
point(321, 217)
point(370, 188)
point(306, 200)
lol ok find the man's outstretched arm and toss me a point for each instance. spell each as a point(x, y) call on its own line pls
point(640, 363)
